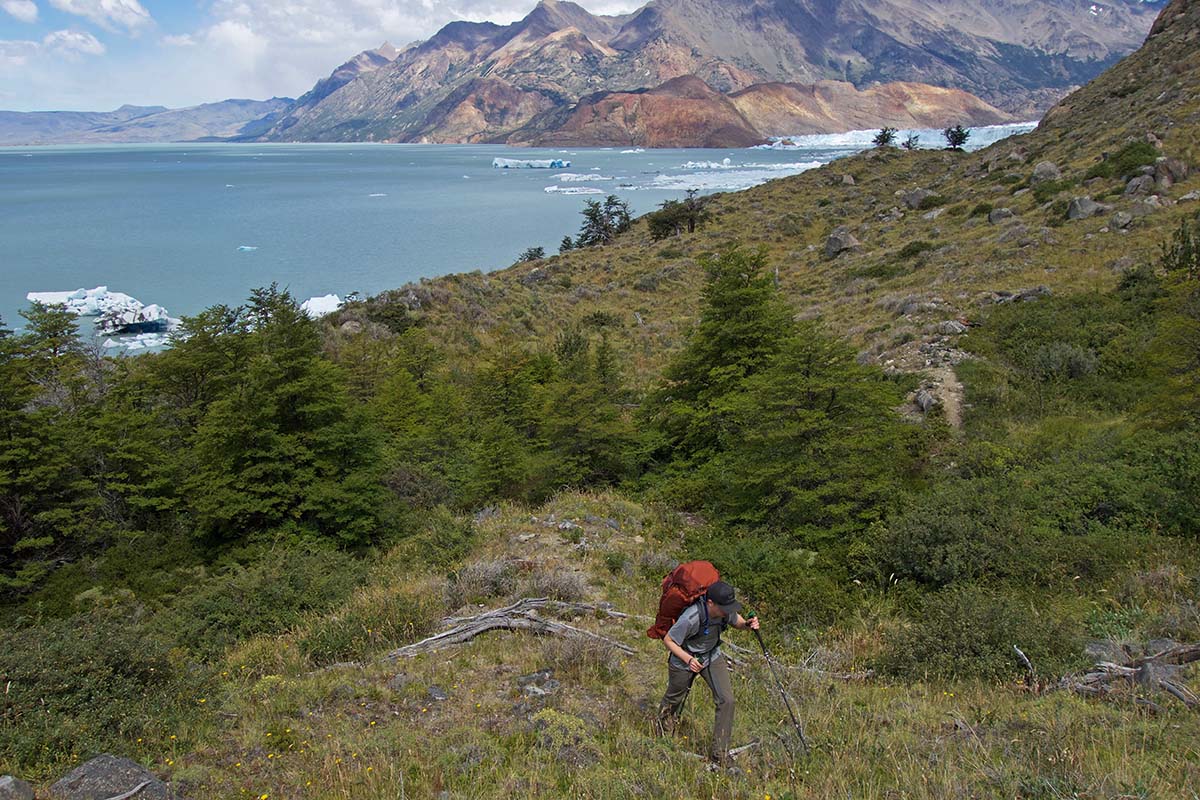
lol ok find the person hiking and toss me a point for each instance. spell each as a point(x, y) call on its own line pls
point(694, 644)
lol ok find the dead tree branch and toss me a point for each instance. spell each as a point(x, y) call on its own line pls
point(1158, 671)
point(520, 616)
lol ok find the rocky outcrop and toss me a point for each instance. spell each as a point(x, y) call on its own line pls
point(15, 789)
point(106, 777)
point(684, 112)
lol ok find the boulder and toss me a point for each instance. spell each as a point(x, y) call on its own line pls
point(1144, 208)
point(351, 326)
point(1142, 184)
point(108, 776)
point(914, 198)
point(1170, 171)
point(998, 215)
point(847, 180)
point(840, 241)
point(1120, 220)
point(934, 214)
point(952, 327)
point(1044, 172)
point(926, 401)
point(14, 789)
point(1084, 208)
point(438, 694)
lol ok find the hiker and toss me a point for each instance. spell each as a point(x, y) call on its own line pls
point(694, 642)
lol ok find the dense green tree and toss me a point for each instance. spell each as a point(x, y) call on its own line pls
point(675, 217)
point(284, 449)
point(956, 137)
point(743, 324)
point(603, 222)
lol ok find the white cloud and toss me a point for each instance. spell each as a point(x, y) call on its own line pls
point(182, 40)
point(16, 53)
point(24, 10)
point(108, 14)
point(72, 44)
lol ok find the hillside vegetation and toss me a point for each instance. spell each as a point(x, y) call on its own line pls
point(911, 443)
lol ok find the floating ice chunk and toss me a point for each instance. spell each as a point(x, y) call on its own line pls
point(572, 190)
point(634, 150)
point(110, 343)
point(320, 306)
point(247, 248)
point(574, 177)
point(85, 302)
point(530, 163)
point(378, 194)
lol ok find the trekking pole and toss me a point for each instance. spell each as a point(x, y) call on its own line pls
point(779, 683)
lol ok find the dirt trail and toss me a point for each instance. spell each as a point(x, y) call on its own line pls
point(949, 390)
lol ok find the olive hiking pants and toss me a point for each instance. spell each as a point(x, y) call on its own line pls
point(716, 675)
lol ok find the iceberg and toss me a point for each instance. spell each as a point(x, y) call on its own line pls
point(118, 313)
point(247, 248)
point(529, 163)
point(320, 306)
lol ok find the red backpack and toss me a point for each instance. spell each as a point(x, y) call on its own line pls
point(679, 590)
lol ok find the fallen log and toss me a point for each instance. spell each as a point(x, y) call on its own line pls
point(520, 616)
point(1157, 671)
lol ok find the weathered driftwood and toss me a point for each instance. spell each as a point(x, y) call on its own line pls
point(1158, 671)
point(520, 616)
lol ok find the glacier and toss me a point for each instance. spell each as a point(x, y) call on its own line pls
point(530, 163)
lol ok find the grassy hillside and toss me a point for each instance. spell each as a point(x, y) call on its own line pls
point(972, 431)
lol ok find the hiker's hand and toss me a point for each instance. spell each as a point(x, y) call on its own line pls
point(752, 623)
point(695, 665)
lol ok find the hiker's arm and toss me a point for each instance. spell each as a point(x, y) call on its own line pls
point(683, 655)
point(742, 623)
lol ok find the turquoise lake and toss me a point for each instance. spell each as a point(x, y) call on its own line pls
point(189, 226)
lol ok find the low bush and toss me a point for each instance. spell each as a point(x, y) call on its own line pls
point(557, 584)
point(268, 596)
point(377, 618)
point(85, 685)
point(479, 581)
point(1125, 161)
point(1045, 192)
point(916, 248)
point(969, 632)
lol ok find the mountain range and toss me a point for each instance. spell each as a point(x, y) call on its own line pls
point(683, 72)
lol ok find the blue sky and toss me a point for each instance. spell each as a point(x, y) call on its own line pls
point(99, 54)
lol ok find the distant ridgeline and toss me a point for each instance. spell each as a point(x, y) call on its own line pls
point(675, 73)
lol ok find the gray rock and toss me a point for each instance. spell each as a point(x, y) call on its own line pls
point(893, 214)
point(934, 214)
point(914, 198)
point(13, 789)
point(840, 241)
point(998, 215)
point(351, 326)
point(1105, 650)
point(1170, 171)
point(952, 327)
point(1120, 220)
point(438, 694)
point(398, 682)
point(1144, 208)
point(1046, 171)
point(1190, 197)
point(926, 401)
point(108, 776)
point(847, 180)
point(1142, 184)
point(1084, 207)
point(535, 678)
point(1146, 170)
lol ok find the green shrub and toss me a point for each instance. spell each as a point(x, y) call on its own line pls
point(1126, 161)
point(915, 248)
point(377, 618)
point(268, 596)
point(86, 685)
point(970, 632)
point(931, 202)
point(981, 210)
point(1045, 192)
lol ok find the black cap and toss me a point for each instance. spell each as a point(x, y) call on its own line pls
point(721, 593)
